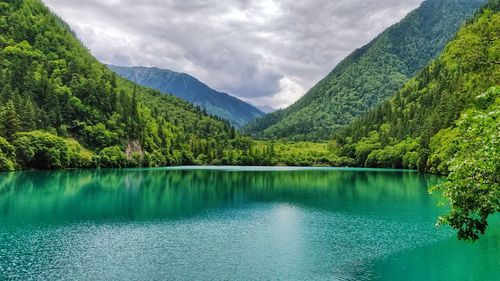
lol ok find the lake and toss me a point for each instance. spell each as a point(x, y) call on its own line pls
point(232, 223)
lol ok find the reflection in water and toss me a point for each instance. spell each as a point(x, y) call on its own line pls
point(227, 224)
point(161, 194)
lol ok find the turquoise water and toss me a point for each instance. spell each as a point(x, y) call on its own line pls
point(232, 224)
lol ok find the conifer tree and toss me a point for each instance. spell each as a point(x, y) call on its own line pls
point(9, 120)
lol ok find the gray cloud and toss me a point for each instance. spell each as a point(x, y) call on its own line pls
point(263, 51)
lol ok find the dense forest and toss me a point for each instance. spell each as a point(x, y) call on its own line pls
point(445, 121)
point(369, 75)
point(430, 102)
point(61, 108)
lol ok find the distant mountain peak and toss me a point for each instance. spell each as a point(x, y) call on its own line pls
point(189, 88)
point(266, 109)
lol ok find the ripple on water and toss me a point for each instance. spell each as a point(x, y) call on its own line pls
point(221, 224)
point(270, 241)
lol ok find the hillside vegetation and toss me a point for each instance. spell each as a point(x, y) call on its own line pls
point(61, 108)
point(445, 121)
point(369, 75)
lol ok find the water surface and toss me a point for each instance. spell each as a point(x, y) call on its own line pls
point(232, 224)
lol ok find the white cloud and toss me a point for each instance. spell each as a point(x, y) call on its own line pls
point(263, 51)
point(289, 92)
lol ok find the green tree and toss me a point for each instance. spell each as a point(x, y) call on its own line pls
point(473, 185)
point(9, 120)
point(28, 117)
point(111, 157)
point(41, 150)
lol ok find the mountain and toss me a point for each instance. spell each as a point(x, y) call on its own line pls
point(369, 75)
point(445, 120)
point(266, 109)
point(60, 107)
point(433, 100)
point(190, 89)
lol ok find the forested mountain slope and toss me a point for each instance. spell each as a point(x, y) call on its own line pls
point(445, 120)
point(190, 89)
point(369, 75)
point(56, 99)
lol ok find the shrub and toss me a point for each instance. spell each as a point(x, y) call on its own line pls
point(7, 156)
point(111, 157)
point(79, 156)
point(41, 150)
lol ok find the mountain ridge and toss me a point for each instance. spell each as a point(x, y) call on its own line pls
point(266, 109)
point(192, 90)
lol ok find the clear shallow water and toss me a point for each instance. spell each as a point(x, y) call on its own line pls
point(232, 224)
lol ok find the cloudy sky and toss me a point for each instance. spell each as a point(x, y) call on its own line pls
point(267, 52)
